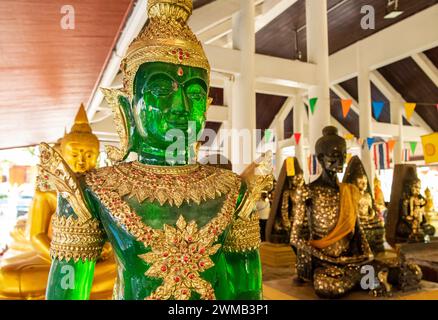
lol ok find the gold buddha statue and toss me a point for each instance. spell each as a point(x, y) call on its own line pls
point(367, 212)
point(430, 207)
point(24, 268)
point(379, 199)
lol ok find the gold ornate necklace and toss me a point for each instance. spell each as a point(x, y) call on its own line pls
point(178, 254)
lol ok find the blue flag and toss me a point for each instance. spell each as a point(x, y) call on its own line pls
point(377, 108)
point(370, 142)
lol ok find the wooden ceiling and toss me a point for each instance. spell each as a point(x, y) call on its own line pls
point(278, 38)
point(285, 37)
point(415, 86)
point(46, 71)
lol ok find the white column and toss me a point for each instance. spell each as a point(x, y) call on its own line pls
point(318, 53)
point(299, 118)
point(227, 125)
point(279, 136)
point(365, 115)
point(243, 109)
point(397, 118)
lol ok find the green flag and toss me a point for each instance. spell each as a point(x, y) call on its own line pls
point(268, 135)
point(312, 103)
point(413, 147)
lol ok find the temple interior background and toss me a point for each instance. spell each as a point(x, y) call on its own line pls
point(367, 67)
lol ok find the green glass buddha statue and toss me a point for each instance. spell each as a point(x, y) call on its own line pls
point(178, 229)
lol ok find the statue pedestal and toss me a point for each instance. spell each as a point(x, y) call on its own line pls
point(277, 255)
point(288, 289)
point(423, 254)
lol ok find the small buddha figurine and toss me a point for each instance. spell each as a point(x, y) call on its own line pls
point(430, 207)
point(180, 230)
point(413, 225)
point(281, 216)
point(369, 219)
point(331, 246)
point(379, 199)
point(25, 267)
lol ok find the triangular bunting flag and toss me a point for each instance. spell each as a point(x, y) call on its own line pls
point(312, 103)
point(268, 134)
point(377, 108)
point(349, 136)
point(413, 146)
point(409, 109)
point(391, 145)
point(346, 106)
point(297, 137)
point(370, 142)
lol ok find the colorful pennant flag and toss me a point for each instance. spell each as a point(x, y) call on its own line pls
point(391, 145)
point(312, 103)
point(430, 147)
point(382, 159)
point(346, 106)
point(370, 142)
point(377, 108)
point(268, 134)
point(297, 137)
point(290, 167)
point(409, 109)
point(413, 145)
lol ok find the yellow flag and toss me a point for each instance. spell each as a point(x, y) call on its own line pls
point(290, 167)
point(430, 147)
point(409, 109)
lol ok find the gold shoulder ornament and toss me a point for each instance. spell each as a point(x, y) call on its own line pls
point(57, 172)
point(244, 234)
point(73, 238)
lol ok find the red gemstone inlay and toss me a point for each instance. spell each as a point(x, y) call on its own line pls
point(163, 268)
point(177, 279)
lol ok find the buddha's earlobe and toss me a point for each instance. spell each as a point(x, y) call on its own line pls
point(119, 103)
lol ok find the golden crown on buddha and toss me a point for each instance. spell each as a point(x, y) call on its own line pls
point(165, 38)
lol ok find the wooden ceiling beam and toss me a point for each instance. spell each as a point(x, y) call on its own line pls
point(415, 34)
point(427, 66)
point(396, 98)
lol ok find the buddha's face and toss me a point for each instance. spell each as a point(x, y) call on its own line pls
point(416, 188)
point(333, 159)
point(81, 157)
point(362, 183)
point(169, 99)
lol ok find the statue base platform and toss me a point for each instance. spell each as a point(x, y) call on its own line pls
point(423, 254)
point(290, 289)
point(277, 255)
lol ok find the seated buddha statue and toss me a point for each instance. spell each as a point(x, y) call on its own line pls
point(179, 229)
point(412, 225)
point(25, 267)
point(430, 207)
point(367, 213)
point(281, 216)
point(379, 199)
point(326, 233)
